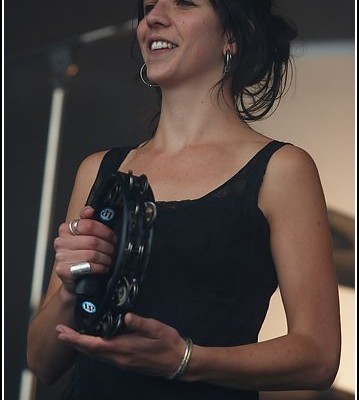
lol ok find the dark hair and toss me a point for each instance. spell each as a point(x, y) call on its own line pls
point(261, 66)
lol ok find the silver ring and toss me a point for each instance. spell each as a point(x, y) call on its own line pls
point(80, 268)
point(74, 227)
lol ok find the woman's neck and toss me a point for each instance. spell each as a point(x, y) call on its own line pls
point(190, 116)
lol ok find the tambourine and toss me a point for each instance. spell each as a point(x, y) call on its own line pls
point(125, 203)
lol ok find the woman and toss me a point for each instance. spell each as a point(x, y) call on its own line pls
point(238, 213)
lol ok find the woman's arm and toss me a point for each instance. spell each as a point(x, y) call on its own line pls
point(47, 357)
point(308, 356)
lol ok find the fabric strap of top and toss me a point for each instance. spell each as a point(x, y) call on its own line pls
point(109, 164)
point(113, 159)
point(259, 166)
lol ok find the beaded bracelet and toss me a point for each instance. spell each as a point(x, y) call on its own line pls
point(185, 360)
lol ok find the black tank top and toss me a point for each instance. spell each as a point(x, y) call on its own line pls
point(210, 276)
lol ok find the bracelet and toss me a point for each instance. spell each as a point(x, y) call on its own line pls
point(185, 360)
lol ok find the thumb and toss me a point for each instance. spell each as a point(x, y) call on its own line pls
point(146, 326)
point(87, 212)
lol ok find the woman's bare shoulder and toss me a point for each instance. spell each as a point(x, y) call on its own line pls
point(92, 162)
point(291, 160)
point(291, 180)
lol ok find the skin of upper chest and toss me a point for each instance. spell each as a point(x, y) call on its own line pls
point(189, 174)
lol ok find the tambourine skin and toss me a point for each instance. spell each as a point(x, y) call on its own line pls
point(125, 203)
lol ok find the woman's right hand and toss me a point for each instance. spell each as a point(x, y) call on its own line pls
point(94, 243)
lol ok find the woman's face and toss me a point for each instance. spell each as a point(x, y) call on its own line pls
point(181, 41)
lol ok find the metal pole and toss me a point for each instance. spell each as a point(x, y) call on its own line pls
point(60, 59)
point(47, 196)
point(45, 216)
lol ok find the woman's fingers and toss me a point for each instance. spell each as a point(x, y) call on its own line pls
point(83, 243)
point(91, 256)
point(147, 327)
point(64, 270)
point(89, 227)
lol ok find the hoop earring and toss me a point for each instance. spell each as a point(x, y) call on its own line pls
point(227, 62)
point(146, 81)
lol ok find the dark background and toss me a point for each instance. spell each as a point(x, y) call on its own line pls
point(106, 105)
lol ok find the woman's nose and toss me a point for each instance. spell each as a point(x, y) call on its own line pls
point(158, 14)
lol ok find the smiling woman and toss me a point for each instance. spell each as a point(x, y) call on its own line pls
point(238, 214)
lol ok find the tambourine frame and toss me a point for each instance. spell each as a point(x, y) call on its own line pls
point(131, 201)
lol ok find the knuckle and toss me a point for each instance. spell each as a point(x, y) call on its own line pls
point(93, 255)
point(59, 271)
point(93, 242)
point(111, 248)
point(157, 332)
point(87, 225)
point(101, 269)
point(63, 228)
point(156, 328)
point(57, 243)
point(59, 256)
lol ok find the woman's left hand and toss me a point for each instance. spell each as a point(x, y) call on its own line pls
point(151, 348)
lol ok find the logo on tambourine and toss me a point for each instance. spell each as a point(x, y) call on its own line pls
point(89, 307)
point(107, 214)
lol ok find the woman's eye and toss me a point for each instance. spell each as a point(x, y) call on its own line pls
point(185, 3)
point(148, 8)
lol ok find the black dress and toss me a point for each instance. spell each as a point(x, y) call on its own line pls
point(210, 276)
